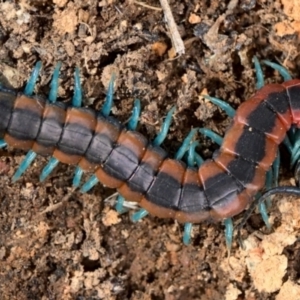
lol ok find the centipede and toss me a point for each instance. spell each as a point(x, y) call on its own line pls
point(141, 171)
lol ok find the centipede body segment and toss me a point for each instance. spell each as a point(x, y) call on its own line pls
point(125, 160)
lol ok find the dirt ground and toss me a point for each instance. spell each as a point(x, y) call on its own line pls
point(57, 243)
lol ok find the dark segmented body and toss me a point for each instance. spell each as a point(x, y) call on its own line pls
point(167, 188)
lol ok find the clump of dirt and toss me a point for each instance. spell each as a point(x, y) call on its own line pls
point(57, 243)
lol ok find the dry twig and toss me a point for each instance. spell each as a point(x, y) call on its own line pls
point(177, 42)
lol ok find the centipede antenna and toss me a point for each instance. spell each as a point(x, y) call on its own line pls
point(109, 99)
point(89, 184)
point(29, 88)
point(228, 234)
point(53, 162)
point(187, 233)
point(185, 144)
point(260, 81)
point(289, 190)
point(77, 97)
point(282, 70)
point(136, 112)
point(52, 97)
point(212, 135)
point(26, 162)
point(2, 144)
point(140, 214)
point(164, 128)
point(229, 110)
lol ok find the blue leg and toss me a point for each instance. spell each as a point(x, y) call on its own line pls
point(2, 144)
point(164, 129)
point(89, 184)
point(269, 184)
point(275, 167)
point(120, 205)
point(288, 144)
point(29, 88)
point(271, 181)
point(139, 215)
point(77, 177)
point(193, 156)
point(53, 162)
point(295, 155)
point(134, 119)
point(54, 84)
point(26, 162)
point(109, 100)
point(187, 233)
point(263, 207)
point(212, 135)
point(295, 138)
point(260, 82)
point(282, 70)
point(228, 233)
point(185, 144)
point(77, 97)
point(264, 214)
point(229, 110)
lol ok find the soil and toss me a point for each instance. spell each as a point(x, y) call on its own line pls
point(57, 243)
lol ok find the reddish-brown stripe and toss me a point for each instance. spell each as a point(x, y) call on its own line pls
point(246, 108)
point(55, 112)
point(223, 160)
point(227, 209)
point(191, 177)
point(151, 158)
point(76, 116)
point(25, 103)
point(234, 134)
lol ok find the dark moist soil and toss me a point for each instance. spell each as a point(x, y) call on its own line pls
point(56, 243)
